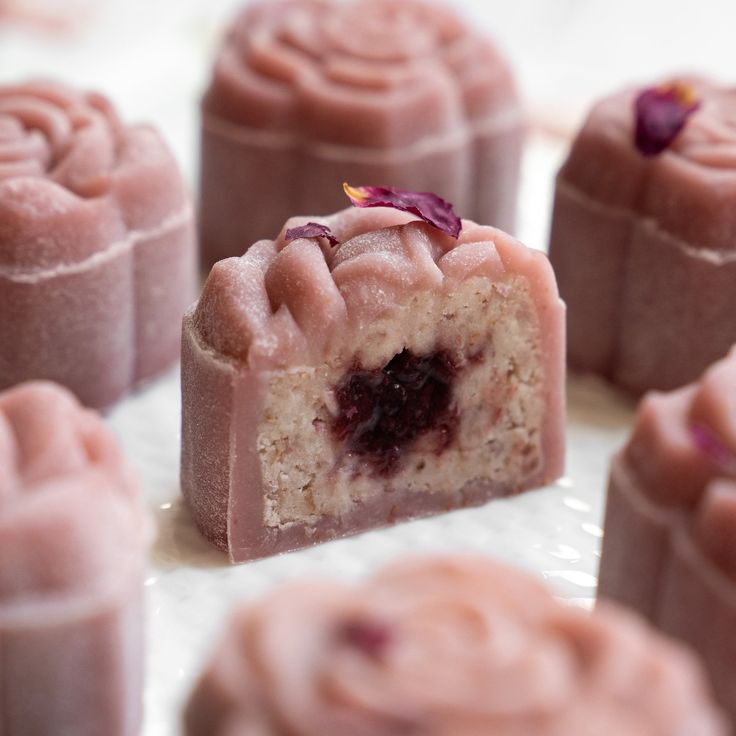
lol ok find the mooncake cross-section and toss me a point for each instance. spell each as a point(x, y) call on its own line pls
point(403, 372)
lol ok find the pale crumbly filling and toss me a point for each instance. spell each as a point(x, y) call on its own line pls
point(498, 394)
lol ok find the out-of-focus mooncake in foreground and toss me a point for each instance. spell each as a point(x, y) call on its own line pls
point(669, 549)
point(72, 548)
point(447, 646)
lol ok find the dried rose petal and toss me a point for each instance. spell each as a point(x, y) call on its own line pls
point(712, 446)
point(428, 206)
point(661, 113)
point(311, 230)
point(370, 637)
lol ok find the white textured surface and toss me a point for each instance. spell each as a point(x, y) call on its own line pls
point(554, 532)
point(151, 57)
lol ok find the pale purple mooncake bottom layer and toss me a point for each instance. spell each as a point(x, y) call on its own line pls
point(331, 390)
point(669, 549)
point(446, 646)
point(72, 549)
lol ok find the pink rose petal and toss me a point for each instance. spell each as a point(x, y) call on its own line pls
point(312, 230)
point(661, 113)
point(713, 447)
point(370, 637)
point(431, 208)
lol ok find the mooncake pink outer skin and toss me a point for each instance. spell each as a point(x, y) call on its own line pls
point(669, 548)
point(97, 251)
point(72, 541)
point(446, 646)
point(306, 94)
point(644, 249)
point(308, 311)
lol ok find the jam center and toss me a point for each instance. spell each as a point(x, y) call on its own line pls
point(381, 412)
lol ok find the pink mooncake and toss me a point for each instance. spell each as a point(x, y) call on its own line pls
point(306, 94)
point(97, 255)
point(669, 549)
point(644, 235)
point(453, 646)
point(331, 389)
point(72, 543)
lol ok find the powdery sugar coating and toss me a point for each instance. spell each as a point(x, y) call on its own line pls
point(97, 254)
point(447, 647)
point(391, 92)
point(643, 247)
point(277, 333)
point(669, 547)
point(72, 540)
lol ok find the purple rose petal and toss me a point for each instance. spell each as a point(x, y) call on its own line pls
point(370, 637)
point(712, 446)
point(428, 206)
point(661, 113)
point(311, 230)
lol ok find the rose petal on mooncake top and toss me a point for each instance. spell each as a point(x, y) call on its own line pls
point(426, 205)
point(661, 113)
point(311, 230)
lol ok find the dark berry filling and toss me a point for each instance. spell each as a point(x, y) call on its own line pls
point(381, 412)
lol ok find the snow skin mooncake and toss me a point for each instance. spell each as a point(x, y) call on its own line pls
point(72, 554)
point(669, 549)
point(97, 249)
point(328, 389)
point(644, 235)
point(306, 94)
point(444, 646)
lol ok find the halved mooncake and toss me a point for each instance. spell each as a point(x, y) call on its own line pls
point(328, 389)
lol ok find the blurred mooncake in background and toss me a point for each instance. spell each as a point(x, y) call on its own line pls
point(306, 94)
point(97, 245)
point(644, 235)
